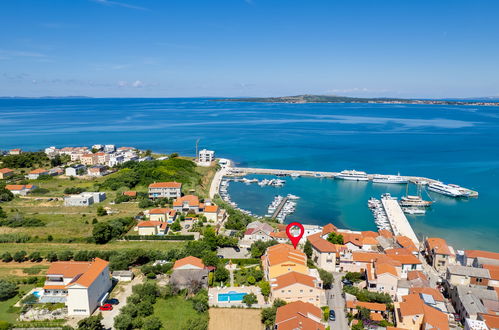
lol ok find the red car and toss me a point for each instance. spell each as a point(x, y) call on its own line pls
point(106, 307)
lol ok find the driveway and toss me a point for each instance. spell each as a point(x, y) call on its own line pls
point(108, 316)
point(336, 302)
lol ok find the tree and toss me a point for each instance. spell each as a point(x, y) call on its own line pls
point(145, 308)
point(307, 249)
point(268, 314)
point(211, 259)
point(327, 278)
point(221, 274)
point(101, 211)
point(363, 314)
point(91, 323)
point(102, 233)
point(5, 195)
point(123, 321)
point(6, 257)
point(353, 277)
point(7, 290)
point(251, 280)
point(51, 257)
point(35, 257)
point(176, 226)
point(258, 248)
point(20, 256)
point(152, 323)
point(335, 238)
point(250, 299)
point(265, 288)
point(65, 255)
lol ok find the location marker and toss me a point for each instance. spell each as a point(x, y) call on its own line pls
point(295, 239)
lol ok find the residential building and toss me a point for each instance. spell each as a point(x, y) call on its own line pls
point(211, 212)
point(109, 148)
point(256, 231)
point(469, 301)
point(206, 156)
point(382, 277)
point(162, 214)
point(82, 286)
point(407, 243)
point(418, 312)
point(294, 286)
point(56, 171)
point(189, 262)
point(324, 253)
point(357, 261)
point(20, 189)
point(97, 147)
point(35, 174)
point(189, 272)
point(491, 320)
point(76, 170)
point(378, 311)
point(6, 173)
point(130, 193)
point(494, 275)
point(123, 275)
point(145, 228)
point(187, 204)
point(281, 259)
point(476, 258)
point(439, 254)
point(115, 160)
point(299, 315)
point(88, 159)
point(97, 170)
point(165, 190)
point(15, 151)
point(84, 199)
point(462, 275)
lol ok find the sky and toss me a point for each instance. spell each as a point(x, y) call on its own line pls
point(187, 48)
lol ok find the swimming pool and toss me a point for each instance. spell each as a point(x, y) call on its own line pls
point(231, 296)
point(37, 294)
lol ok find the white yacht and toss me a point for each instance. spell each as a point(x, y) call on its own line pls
point(414, 201)
point(413, 210)
point(389, 179)
point(352, 175)
point(445, 189)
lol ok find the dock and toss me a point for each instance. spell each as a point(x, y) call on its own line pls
point(279, 207)
point(398, 221)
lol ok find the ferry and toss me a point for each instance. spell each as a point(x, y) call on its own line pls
point(352, 175)
point(389, 179)
point(445, 189)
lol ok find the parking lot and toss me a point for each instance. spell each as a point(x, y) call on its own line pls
point(231, 253)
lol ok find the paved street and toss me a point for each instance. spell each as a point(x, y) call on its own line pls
point(337, 303)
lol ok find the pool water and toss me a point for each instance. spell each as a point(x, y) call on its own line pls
point(231, 296)
point(37, 294)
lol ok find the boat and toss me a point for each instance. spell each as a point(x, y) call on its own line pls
point(389, 179)
point(291, 196)
point(352, 175)
point(445, 189)
point(295, 175)
point(414, 201)
point(413, 210)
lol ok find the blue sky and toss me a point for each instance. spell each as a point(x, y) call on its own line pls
point(169, 48)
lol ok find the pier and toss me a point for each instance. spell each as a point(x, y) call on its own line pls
point(398, 221)
point(279, 208)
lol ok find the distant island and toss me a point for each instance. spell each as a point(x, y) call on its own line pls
point(346, 99)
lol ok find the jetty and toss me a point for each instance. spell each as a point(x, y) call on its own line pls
point(279, 207)
point(398, 221)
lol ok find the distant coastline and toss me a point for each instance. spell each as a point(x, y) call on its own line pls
point(345, 99)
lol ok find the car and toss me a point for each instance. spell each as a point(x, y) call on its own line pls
point(220, 256)
point(186, 227)
point(346, 282)
point(106, 307)
point(113, 301)
point(332, 315)
point(237, 249)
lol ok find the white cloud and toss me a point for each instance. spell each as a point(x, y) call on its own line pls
point(19, 53)
point(118, 4)
point(137, 84)
point(122, 83)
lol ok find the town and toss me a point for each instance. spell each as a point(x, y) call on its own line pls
point(107, 237)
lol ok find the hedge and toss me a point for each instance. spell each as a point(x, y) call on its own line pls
point(158, 238)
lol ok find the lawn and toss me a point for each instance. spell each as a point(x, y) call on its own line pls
point(174, 312)
point(234, 318)
point(8, 314)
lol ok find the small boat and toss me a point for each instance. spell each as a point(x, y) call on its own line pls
point(413, 210)
point(295, 175)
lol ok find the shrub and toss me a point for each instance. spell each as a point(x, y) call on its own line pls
point(6, 257)
point(19, 256)
point(7, 290)
point(74, 190)
point(250, 299)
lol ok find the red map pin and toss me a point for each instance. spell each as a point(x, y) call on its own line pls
point(295, 239)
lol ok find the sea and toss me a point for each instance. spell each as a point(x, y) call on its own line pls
point(454, 144)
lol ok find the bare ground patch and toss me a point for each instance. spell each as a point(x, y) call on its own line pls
point(234, 318)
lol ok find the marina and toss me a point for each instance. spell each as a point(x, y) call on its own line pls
point(397, 219)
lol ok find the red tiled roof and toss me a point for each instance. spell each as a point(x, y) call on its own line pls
point(5, 170)
point(130, 193)
point(491, 320)
point(190, 199)
point(386, 233)
point(159, 211)
point(88, 271)
point(18, 186)
point(437, 295)
point(438, 245)
point(329, 228)
point(371, 306)
point(165, 185)
point(493, 271)
point(321, 244)
point(481, 254)
point(365, 256)
point(38, 171)
point(415, 274)
point(151, 224)
point(293, 278)
point(211, 209)
point(295, 315)
point(280, 253)
point(407, 243)
point(190, 260)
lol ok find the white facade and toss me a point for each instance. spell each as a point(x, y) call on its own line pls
point(109, 148)
point(206, 156)
point(75, 170)
point(84, 199)
point(83, 300)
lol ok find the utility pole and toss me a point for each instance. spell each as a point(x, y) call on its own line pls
point(197, 143)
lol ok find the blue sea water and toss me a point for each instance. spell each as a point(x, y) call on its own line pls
point(456, 144)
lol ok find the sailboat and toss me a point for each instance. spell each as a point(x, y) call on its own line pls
point(414, 201)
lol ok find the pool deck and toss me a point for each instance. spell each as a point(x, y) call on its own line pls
point(213, 296)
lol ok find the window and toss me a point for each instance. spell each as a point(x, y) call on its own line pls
point(301, 291)
point(79, 310)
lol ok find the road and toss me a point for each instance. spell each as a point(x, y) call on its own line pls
point(108, 316)
point(217, 179)
point(336, 302)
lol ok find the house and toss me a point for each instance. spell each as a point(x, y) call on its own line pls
point(84, 199)
point(123, 275)
point(283, 258)
point(109, 148)
point(299, 315)
point(115, 160)
point(88, 159)
point(407, 261)
point(165, 190)
point(280, 236)
point(435, 294)
point(211, 212)
point(407, 243)
point(439, 254)
point(187, 204)
point(56, 171)
point(35, 174)
point(377, 310)
point(357, 261)
point(20, 189)
point(189, 272)
point(382, 277)
point(6, 173)
point(470, 324)
point(494, 275)
point(476, 258)
point(130, 193)
point(418, 312)
point(82, 286)
point(101, 158)
point(324, 253)
point(462, 275)
point(294, 286)
point(145, 228)
point(491, 320)
point(257, 231)
point(97, 170)
point(469, 302)
point(162, 214)
point(205, 157)
point(15, 151)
